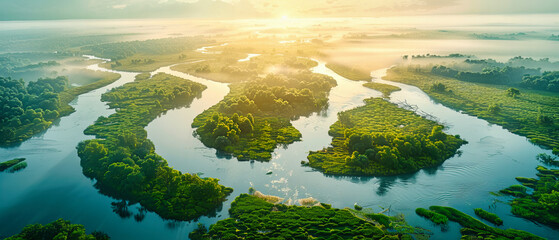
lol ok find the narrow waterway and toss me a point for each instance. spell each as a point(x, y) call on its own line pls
point(53, 185)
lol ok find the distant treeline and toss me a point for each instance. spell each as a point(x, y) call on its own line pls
point(494, 75)
point(548, 81)
point(121, 50)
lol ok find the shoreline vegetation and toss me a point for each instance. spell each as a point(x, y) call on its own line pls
point(536, 199)
point(59, 229)
point(381, 139)
point(529, 113)
point(13, 165)
point(259, 216)
point(385, 89)
point(350, 73)
point(32, 108)
point(124, 162)
point(471, 227)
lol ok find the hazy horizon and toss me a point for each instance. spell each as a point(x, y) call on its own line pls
point(245, 9)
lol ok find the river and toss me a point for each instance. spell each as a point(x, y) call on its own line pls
point(53, 185)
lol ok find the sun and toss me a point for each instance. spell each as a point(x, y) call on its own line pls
point(284, 17)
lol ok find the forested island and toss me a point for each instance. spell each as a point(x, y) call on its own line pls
point(266, 93)
point(253, 217)
point(525, 112)
point(31, 108)
point(124, 162)
point(382, 139)
point(59, 229)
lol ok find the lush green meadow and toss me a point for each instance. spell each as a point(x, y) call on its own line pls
point(255, 218)
point(530, 113)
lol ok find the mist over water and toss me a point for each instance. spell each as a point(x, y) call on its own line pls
point(53, 185)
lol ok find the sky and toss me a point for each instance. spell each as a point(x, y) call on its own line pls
point(241, 9)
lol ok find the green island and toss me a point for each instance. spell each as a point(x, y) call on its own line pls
point(59, 229)
point(542, 203)
point(434, 217)
point(13, 165)
point(349, 72)
point(31, 108)
point(488, 216)
point(124, 162)
point(382, 139)
point(385, 89)
point(525, 112)
point(267, 92)
point(254, 217)
point(473, 228)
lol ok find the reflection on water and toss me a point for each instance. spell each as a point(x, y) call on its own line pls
point(53, 185)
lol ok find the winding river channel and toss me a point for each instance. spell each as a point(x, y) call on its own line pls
point(53, 185)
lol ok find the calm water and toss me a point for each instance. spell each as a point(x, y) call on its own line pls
point(53, 186)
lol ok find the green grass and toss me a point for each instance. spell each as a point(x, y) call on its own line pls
point(385, 89)
point(433, 216)
point(349, 72)
point(255, 218)
point(475, 229)
point(18, 167)
point(8, 164)
point(518, 115)
point(491, 217)
point(124, 162)
point(541, 204)
point(382, 139)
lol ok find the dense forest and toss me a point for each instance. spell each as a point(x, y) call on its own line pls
point(252, 217)
point(124, 162)
point(506, 75)
point(548, 81)
point(382, 139)
point(268, 104)
point(59, 229)
point(31, 108)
